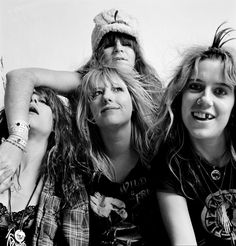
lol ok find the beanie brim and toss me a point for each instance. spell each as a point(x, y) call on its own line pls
point(113, 21)
point(116, 27)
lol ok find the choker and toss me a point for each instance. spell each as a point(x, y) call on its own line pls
point(17, 237)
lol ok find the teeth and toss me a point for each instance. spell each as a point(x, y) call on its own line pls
point(203, 116)
point(209, 117)
point(199, 115)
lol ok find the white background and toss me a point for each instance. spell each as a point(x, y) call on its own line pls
point(56, 33)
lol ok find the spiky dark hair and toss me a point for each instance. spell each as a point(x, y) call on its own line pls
point(220, 35)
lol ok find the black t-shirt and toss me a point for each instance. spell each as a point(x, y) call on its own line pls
point(212, 206)
point(124, 213)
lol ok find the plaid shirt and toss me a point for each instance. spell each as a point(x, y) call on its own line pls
point(72, 224)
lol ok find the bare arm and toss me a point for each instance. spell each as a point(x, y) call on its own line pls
point(176, 218)
point(19, 88)
point(20, 85)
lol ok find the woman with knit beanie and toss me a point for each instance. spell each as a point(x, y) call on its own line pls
point(115, 41)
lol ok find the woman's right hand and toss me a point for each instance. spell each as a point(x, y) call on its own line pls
point(10, 159)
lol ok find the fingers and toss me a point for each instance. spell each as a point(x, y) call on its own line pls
point(4, 186)
point(5, 179)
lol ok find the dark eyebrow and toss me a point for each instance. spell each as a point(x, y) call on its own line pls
point(226, 85)
point(218, 83)
point(196, 80)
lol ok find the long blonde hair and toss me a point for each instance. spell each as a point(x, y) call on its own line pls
point(170, 128)
point(144, 112)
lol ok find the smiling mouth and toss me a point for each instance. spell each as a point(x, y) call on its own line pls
point(202, 116)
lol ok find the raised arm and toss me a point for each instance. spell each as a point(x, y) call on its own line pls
point(19, 88)
point(20, 85)
point(176, 218)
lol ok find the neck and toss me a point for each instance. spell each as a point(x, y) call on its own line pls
point(118, 147)
point(116, 141)
point(213, 151)
point(32, 160)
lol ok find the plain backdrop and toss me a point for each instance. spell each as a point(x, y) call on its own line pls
point(55, 34)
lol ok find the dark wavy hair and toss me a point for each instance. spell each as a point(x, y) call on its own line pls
point(169, 126)
point(60, 163)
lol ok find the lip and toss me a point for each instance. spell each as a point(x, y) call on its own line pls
point(119, 59)
point(107, 108)
point(202, 116)
point(33, 109)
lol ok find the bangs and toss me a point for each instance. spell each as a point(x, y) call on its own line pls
point(110, 38)
point(45, 94)
point(50, 97)
point(228, 67)
point(94, 79)
point(42, 94)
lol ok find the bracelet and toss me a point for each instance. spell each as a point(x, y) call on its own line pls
point(18, 140)
point(14, 143)
point(20, 128)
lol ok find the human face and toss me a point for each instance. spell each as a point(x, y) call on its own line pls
point(207, 102)
point(111, 104)
point(40, 115)
point(119, 53)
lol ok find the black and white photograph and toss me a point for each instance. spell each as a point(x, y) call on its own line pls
point(117, 123)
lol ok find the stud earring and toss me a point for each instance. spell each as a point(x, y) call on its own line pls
point(199, 101)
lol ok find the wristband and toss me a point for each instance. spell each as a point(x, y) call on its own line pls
point(20, 128)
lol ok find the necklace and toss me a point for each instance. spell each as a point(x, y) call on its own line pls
point(215, 174)
point(219, 205)
point(18, 238)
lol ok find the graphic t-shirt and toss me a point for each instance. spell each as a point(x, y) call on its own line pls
point(124, 213)
point(213, 206)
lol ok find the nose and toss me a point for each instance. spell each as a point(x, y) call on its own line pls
point(34, 98)
point(206, 99)
point(107, 96)
point(118, 46)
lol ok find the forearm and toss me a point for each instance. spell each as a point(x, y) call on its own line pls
point(20, 85)
point(19, 88)
point(176, 218)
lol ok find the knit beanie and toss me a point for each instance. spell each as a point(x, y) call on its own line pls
point(113, 20)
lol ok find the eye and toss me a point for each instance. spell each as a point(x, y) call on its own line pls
point(195, 86)
point(109, 44)
point(220, 91)
point(117, 89)
point(95, 94)
point(126, 42)
point(43, 100)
